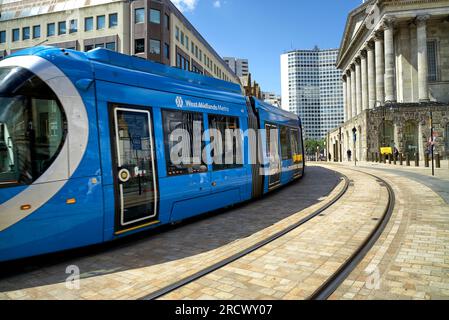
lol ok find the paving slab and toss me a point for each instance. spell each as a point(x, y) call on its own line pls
point(135, 268)
point(296, 265)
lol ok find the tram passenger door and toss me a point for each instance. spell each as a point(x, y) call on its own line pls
point(273, 157)
point(135, 174)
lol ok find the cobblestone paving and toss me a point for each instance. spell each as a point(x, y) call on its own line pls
point(411, 259)
point(294, 266)
point(136, 268)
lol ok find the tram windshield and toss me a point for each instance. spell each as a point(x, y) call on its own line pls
point(32, 126)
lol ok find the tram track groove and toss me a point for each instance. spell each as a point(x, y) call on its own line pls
point(200, 274)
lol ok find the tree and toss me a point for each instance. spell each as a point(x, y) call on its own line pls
point(311, 146)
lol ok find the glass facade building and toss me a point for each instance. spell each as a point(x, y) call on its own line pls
point(312, 88)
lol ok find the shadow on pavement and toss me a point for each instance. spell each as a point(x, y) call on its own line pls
point(172, 243)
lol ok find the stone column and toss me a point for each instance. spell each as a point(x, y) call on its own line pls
point(345, 99)
point(358, 85)
point(348, 94)
point(423, 84)
point(364, 75)
point(371, 75)
point(380, 68)
point(353, 92)
point(389, 60)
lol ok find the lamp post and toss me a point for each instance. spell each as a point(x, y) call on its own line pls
point(354, 132)
point(432, 143)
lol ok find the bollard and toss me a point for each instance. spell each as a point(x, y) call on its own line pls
point(437, 160)
point(416, 159)
point(407, 160)
point(377, 157)
point(401, 159)
point(426, 160)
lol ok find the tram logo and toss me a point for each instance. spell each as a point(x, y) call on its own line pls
point(179, 102)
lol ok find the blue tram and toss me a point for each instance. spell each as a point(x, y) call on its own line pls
point(86, 143)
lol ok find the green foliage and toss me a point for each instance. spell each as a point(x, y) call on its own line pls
point(311, 146)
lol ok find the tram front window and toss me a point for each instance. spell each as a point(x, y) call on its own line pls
point(32, 126)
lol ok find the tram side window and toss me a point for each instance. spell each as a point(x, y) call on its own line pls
point(32, 126)
point(286, 147)
point(296, 145)
point(183, 133)
point(226, 141)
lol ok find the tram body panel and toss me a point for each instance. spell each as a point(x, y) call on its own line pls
point(280, 169)
point(200, 192)
point(47, 210)
point(111, 176)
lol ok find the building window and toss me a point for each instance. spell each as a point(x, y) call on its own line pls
point(89, 24)
point(226, 140)
point(196, 52)
point(187, 43)
point(201, 55)
point(139, 46)
point(88, 47)
point(182, 62)
point(2, 36)
point(193, 47)
point(167, 21)
point(113, 20)
point(101, 22)
point(188, 159)
point(155, 46)
point(177, 33)
point(139, 15)
point(26, 33)
point(110, 46)
point(432, 57)
point(196, 70)
point(15, 35)
point(99, 45)
point(62, 28)
point(182, 38)
point(155, 16)
point(73, 27)
point(51, 29)
point(167, 51)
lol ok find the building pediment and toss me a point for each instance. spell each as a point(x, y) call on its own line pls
point(365, 18)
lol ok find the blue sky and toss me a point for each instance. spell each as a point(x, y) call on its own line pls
point(261, 30)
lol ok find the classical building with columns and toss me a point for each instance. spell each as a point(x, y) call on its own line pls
point(395, 61)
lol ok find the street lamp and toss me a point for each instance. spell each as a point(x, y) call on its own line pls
point(432, 143)
point(354, 133)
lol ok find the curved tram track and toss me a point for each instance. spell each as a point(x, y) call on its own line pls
point(335, 280)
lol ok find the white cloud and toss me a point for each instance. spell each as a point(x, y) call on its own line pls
point(217, 4)
point(185, 5)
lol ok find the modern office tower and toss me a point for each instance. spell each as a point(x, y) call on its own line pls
point(311, 87)
point(239, 66)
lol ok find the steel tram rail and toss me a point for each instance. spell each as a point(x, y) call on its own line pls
point(183, 282)
point(332, 284)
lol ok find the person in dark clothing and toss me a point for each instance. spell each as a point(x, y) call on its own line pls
point(349, 152)
point(396, 153)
